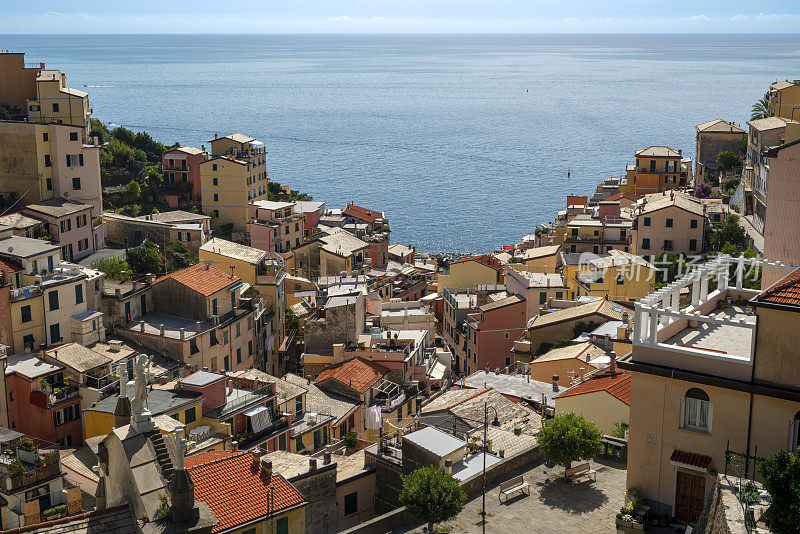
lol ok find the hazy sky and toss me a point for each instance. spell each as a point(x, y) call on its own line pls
point(398, 16)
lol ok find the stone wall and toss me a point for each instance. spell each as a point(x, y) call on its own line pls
point(713, 520)
point(388, 482)
point(319, 489)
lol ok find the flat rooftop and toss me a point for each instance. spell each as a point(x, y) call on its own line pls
point(172, 325)
point(725, 339)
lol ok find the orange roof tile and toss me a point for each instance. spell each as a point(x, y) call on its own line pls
point(617, 384)
point(370, 305)
point(204, 280)
point(234, 489)
point(357, 373)
point(365, 214)
point(485, 259)
point(690, 458)
point(8, 265)
point(785, 291)
point(624, 194)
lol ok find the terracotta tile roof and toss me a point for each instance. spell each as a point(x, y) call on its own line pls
point(485, 259)
point(370, 305)
point(690, 458)
point(234, 489)
point(785, 291)
point(617, 384)
point(365, 214)
point(357, 373)
point(606, 308)
point(624, 194)
point(8, 265)
point(204, 280)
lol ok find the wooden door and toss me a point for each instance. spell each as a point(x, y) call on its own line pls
point(690, 496)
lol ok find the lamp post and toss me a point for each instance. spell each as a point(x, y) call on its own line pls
point(495, 422)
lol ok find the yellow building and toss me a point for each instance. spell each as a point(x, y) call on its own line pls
point(55, 102)
point(657, 169)
point(234, 175)
point(603, 398)
point(783, 100)
point(27, 320)
point(246, 495)
point(473, 271)
point(567, 362)
point(543, 259)
point(617, 275)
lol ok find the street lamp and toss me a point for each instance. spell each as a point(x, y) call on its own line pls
point(495, 422)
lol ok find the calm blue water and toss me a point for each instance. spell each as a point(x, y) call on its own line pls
point(464, 141)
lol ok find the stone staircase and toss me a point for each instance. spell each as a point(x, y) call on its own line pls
point(162, 456)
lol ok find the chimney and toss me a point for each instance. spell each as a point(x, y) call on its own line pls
point(182, 489)
point(612, 367)
point(326, 457)
point(234, 445)
point(256, 457)
point(183, 334)
point(625, 318)
point(517, 431)
point(448, 466)
point(216, 137)
point(266, 468)
point(622, 332)
point(555, 382)
point(502, 453)
point(161, 329)
point(141, 326)
point(312, 464)
point(580, 373)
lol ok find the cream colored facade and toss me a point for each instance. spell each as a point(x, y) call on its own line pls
point(619, 276)
point(27, 322)
point(235, 174)
point(55, 102)
point(543, 259)
point(469, 274)
point(783, 99)
point(600, 407)
point(671, 228)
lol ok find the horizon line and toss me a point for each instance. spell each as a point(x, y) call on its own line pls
point(405, 33)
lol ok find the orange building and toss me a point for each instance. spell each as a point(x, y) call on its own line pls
point(17, 82)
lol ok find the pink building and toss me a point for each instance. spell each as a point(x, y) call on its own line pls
point(71, 226)
point(312, 210)
point(491, 333)
point(183, 165)
point(535, 288)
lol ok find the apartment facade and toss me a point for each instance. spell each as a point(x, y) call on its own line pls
point(17, 79)
point(616, 275)
point(58, 103)
point(711, 379)
point(781, 228)
point(783, 99)
point(491, 333)
point(234, 175)
point(275, 226)
point(471, 272)
point(671, 223)
point(657, 168)
point(711, 138)
point(182, 164)
point(71, 226)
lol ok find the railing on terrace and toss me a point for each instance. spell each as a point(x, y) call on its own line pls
point(25, 292)
point(61, 394)
point(27, 468)
point(254, 397)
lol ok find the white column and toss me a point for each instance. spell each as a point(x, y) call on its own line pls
point(653, 325)
point(722, 277)
point(665, 306)
point(704, 286)
point(696, 291)
point(676, 299)
point(740, 273)
point(638, 317)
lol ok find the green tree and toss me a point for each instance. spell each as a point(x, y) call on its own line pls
point(568, 438)
point(781, 476)
point(134, 188)
point(113, 267)
point(146, 258)
point(729, 232)
point(759, 110)
point(619, 429)
point(100, 130)
point(432, 495)
point(4, 114)
point(727, 160)
point(729, 249)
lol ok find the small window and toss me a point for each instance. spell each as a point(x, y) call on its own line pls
point(620, 279)
point(49, 183)
point(249, 348)
point(696, 410)
point(26, 314)
point(351, 503)
point(693, 244)
point(189, 415)
point(52, 298)
point(282, 525)
point(55, 107)
point(78, 293)
point(47, 162)
point(216, 214)
point(55, 333)
point(646, 243)
point(238, 356)
point(76, 184)
point(193, 346)
point(542, 297)
point(670, 223)
point(213, 166)
point(73, 136)
point(668, 244)
point(227, 363)
point(693, 223)
point(215, 181)
point(647, 221)
point(216, 197)
point(214, 340)
point(44, 137)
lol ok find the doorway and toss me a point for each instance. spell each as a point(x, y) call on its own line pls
point(690, 496)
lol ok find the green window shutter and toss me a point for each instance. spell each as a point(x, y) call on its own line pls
point(53, 300)
point(78, 293)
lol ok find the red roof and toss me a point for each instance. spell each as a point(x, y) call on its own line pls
point(357, 373)
point(7, 265)
point(617, 384)
point(204, 280)
point(690, 458)
point(235, 490)
point(785, 291)
point(485, 259)
point(624, 194)
point(365, 214)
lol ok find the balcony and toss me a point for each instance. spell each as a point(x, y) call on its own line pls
point(242, 400)
point(62, 394)
point(25, 292)
point(24, 465)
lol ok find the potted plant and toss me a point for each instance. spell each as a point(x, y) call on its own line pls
point(351, 442)
point(25, 443)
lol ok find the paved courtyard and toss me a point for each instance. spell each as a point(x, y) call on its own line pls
point(554, 506)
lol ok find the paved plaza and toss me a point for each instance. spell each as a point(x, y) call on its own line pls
point(554, 506)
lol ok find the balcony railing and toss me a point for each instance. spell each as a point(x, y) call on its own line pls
point(61, 394)
point(16, 473)
point(239, 403)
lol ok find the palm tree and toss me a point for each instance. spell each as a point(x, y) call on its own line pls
point(760, 110)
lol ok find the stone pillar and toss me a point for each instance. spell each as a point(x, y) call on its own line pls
point(696, 290)
point(665, 306)
point(653, 325)
point(638, 316)
point(675, 303)
point(181, 489)
point(122, 411)
point(739, 273)
point(704, 286)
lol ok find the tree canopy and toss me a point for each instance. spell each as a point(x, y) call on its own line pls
point(432, 495)
point(729, 232)
point(146, 258)
point(727, 160)
point(781, 477)
point(569, 437)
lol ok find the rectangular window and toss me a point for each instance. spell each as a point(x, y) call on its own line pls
point(249, 531)
point(646, 243)
point(282, 526)
point(213, 306)
point(73, 136)
point(78, 293)
point(213, 166)
point(55, 333)
point(47, 162)
point(298, 444)
point(298, 405)
point(668, 244)
point(189, 415)
point(238, 330)
point(193, 346)
point(44, 137)
point(542, 297)
point(351, 503)
point(227, 362)
point(249, 348)
point(76, 184)
point(559, 295)
point(49, 184)
point(214, 340)
point(238, 356)
point(693, 244)
point(26, 314)
point(647, 221)
point(620, 279)
point(55, 107)
point(693, 223)
point(282, 442)
point(670, 223)
point(216, 214)
point(215, 181)
point(52, 298)
point(216, 197)
point(225, 337)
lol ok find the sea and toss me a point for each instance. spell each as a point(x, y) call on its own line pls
point(466, 142)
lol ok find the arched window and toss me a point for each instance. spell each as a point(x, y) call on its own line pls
point(696, 410)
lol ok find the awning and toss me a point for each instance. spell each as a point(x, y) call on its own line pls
point(259, 418)
point(255, 410)
point(690, 460)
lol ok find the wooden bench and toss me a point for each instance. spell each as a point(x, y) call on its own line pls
point(581, 470)
point(512, 486)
